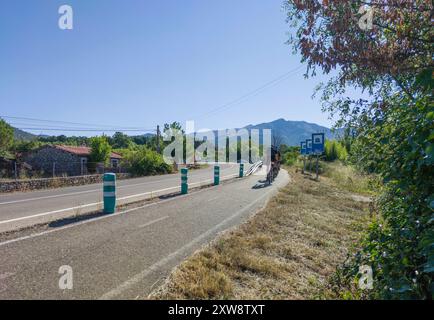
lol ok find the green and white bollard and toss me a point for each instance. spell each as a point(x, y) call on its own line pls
point(216, 175)
point(109, 182)
point(184, 181)
point(241, 170)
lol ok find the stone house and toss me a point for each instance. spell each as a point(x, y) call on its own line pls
point(66, 160)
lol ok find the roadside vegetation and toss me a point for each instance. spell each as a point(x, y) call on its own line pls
point(390, 133)
point(142, 161)
point(140, 153)
point(6, 139)
point(288, 250)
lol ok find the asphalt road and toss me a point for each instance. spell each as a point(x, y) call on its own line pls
point(126, 255)
point(22, 209)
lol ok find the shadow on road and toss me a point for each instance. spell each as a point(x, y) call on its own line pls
point(66, 221)
point(261, 184)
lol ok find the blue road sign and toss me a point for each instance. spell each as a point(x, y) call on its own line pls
point(318, 143)
point(309, 146)
point(303, 148)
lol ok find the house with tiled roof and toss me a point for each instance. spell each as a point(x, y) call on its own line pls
point(66, 160)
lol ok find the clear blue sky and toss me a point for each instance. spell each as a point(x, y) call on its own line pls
point(138, 63)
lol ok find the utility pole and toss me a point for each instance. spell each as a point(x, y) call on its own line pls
point(54, 169)
point(15, 170)
point(158, 139)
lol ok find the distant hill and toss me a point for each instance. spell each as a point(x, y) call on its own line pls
point(23, 135)
point(289, 132)
point(292, 132)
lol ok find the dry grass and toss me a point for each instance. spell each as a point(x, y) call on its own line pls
point(347, 178)
point(286, 251)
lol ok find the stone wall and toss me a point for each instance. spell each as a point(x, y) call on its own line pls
point(65, 163)
point(37, 184)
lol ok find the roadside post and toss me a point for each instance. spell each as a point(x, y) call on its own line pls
point(318, 140)
point(184, 181)
point(216, 175)
point(109, 182)
point(241, 170)
point(303, 155)
point(309, 152)
point(15, 170)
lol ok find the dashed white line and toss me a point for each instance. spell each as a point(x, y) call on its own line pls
point(152, 222)
point(90, 220)
point(99, 203)
point(159, 264)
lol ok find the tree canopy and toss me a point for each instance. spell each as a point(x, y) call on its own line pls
point(391, 133)
point(6, 136)
point(100, 150)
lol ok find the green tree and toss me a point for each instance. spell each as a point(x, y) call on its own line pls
point(174, 129)
point(174, 125)
point(289, 154)
point(6, 137)
point(392, 132)
point(141, 161)
point(100, 150)
point(120, 141)
point(21, 146)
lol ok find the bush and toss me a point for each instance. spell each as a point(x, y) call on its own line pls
point(398, 145)
point(142, 161)
point(335, 150)
point(290, 155)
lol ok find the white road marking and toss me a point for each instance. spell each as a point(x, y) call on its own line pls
point(87, 191)
point(80, 192)
point(152, 222)
point(97, 203)
point(178, 253)
point(92, 220)
point(95, 219)
point(6, 275)
point(147, 193)
point(48, 197)
point(51, 212)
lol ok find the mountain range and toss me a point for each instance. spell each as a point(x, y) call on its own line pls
point(286, 131)
point(23, 135)
point(292, 132)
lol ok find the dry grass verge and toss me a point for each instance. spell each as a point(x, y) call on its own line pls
point(286, 251)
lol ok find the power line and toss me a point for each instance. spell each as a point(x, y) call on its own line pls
point(90, 130)
point(253, 93)
point(54, 127)
point(16, 124)
point(63, 122)
point(113, 128)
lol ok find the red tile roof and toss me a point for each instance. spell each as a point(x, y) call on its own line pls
point(84, 151)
